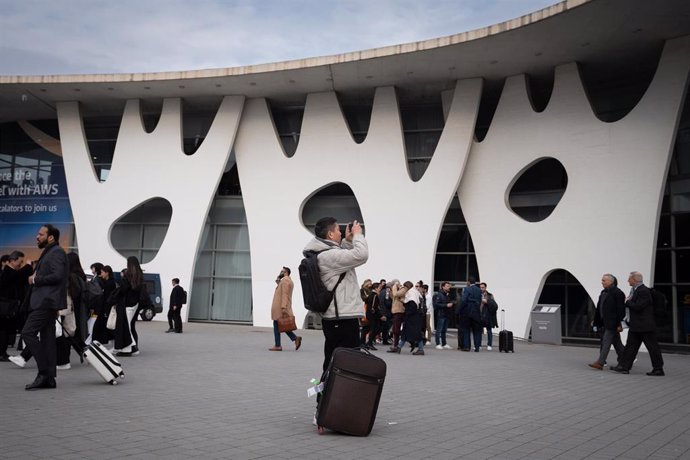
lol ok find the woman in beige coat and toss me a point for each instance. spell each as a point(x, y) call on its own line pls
point(398, 309)
point(282, 308)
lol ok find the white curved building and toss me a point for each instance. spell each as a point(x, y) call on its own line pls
point(560, 141)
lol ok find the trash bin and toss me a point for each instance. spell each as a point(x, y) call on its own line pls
point(546, 323)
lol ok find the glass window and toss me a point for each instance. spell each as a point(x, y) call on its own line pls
point(580, 312)
point(663, 316)
point(453, 238)
point(236, 304)
point(450, 267)
point(232, 264)
point(556, 277)
point(662, 267)
point(201, 298)
point(473, 269)
point(203, 264)
point(228, 211)
point(206, 238)
point(125, 236)
point(147, 256)
point(683, 309)
point(682, 224)
point(683, 266)
point(681, 155)
point(232, 237)
point(664, 237)
point(154, 235)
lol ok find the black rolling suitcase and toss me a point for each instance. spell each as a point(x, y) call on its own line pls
point(505, 338)
point(351, 394)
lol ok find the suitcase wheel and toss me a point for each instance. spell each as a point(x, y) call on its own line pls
point(113, 382)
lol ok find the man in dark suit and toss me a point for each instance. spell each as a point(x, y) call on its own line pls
point(48, 295)
point(642, 328)
point(175, 307)
point(607, 319)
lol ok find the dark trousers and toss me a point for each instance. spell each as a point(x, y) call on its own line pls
point(385, 327)
point(175, 319)
point(8, 331)
point(632, 346)
point(372, 330)
point(463, 331)
point(339, 333)
point(62, 348)
point(43, 350)
point(610, 337)
point(398, 320)
point(471, 329)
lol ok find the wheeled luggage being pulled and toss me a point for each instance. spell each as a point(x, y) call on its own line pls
point(104, 362)
point(352, 389)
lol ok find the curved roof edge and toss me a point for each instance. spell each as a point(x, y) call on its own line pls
point(353, 56)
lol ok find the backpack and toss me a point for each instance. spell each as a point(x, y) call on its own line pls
point(183, 297)
point(316, 297)
point(658, 300)
point(92, 294)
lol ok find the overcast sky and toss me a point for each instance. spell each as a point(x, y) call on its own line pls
point(95, 36)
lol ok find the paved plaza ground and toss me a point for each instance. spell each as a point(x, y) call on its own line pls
point(216, 392)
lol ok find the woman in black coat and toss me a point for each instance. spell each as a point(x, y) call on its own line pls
point(415, 318)
point(76, 286)
point(130, 297)
point(107, 281)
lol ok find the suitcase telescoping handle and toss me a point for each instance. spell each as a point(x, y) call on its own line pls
point(503, 319)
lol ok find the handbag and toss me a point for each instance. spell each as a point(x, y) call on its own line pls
point(8, 308)
point(287, 324)
point(69, 324)
point(112, 319)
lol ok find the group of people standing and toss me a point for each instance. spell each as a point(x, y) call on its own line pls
point(403, 312)
point(51, 303)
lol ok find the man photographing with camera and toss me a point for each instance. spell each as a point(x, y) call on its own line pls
point(338, 256)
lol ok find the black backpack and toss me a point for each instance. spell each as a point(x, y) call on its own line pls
point(93, 294)
point(183, 297)
point(316, 297)
point(658, 300)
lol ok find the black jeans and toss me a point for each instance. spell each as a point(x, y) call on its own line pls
point(175, 319)
point(8, 330)
point(632, 346)
point(339, 333)
point(43, 350)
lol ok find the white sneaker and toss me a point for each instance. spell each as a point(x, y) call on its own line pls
point(439, 347)
point(447, 347)
point(64, 367)
point(489, 348)
point(18, 360)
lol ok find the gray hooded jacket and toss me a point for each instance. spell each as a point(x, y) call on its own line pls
point(332, 263)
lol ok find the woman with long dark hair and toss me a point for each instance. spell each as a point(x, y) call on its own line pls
point(107, 281)
point(131, 298)
point(76, 287)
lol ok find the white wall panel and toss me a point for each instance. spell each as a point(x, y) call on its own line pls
point(146, 166)
point(607, 218)
point(402, 237)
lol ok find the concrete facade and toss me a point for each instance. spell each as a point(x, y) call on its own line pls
point(616, 170)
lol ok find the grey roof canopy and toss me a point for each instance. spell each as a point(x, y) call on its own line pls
point(604, 34)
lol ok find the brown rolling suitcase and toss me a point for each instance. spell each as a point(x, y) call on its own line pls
point(351, 394)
